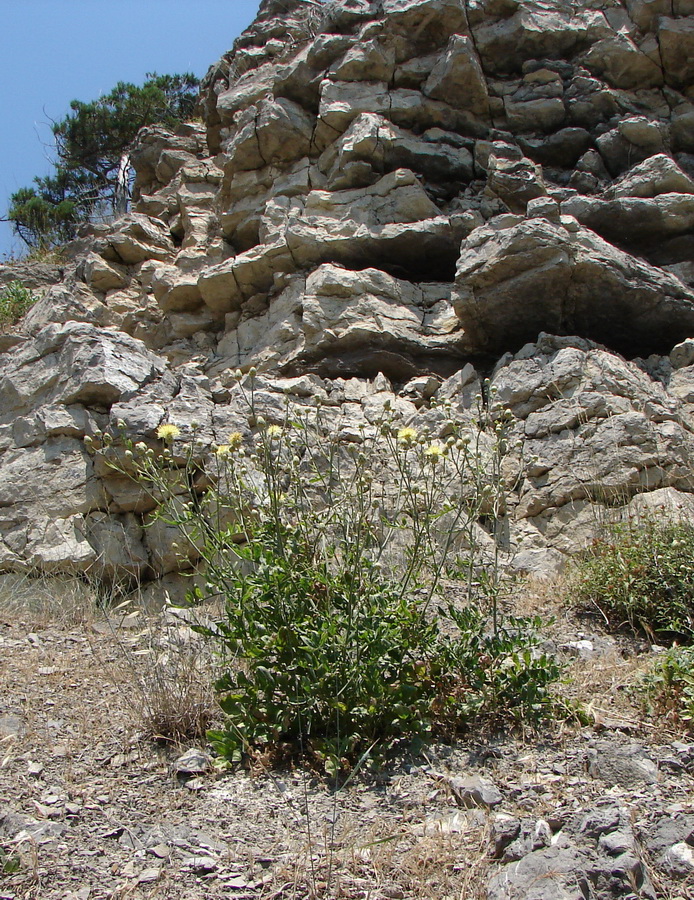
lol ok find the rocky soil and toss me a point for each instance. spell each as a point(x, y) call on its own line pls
point(91, 808)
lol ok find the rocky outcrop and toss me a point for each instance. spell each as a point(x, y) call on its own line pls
point(388, 200)
point(517, 277)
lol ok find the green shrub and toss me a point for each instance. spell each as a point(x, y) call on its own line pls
point(642, 575)
point(339, 665)
point(669, 687)
point(15, 301)
point(327, 552)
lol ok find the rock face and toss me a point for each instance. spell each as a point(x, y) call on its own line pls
point(432, 190)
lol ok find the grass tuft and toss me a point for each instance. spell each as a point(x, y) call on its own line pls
point(15, 301)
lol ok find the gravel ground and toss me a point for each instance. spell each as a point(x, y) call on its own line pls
point(90, 808)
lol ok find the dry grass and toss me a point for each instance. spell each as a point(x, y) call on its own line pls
point(546, 597)
point(388, 861)
point(164, 670)
point(170, 671)
point(603, 685)
point(44, 601)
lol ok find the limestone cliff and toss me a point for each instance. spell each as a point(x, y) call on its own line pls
point(387, 200)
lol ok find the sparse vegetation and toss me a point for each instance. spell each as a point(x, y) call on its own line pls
point(668, 688)
point(15, 301)
point(641, 575)
point(10, 863)
point(170, 673)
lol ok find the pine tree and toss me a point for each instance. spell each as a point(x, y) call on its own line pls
point(92, 163)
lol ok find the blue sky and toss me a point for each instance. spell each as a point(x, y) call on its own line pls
point(55, 51)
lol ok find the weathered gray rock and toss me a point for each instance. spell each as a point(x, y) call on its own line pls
point(373, 142)
point(119, 552)
point(226, 285)
point(557, 873)
point(658, 174)
point(103, 276)
point(364, 321)
point(34, 276)
point(533, 32)
point(193, 762)
point(682, 354)
point(513, 839)
point(457, 78)
point(312, 225)
point(580, 410)
point(658, 227)
point(11, 726)
point(679, 859)
point(676, 42)
point(514, 180)
point(272, 132)
point(625, 766)
point(476, 791)
point(245, 195)
point(155, 140)
point(176, 291)
point(136, 238)
point(670, 841)
point(75, 363)
point(593, 855)
point(623, 63)
point(366, 61)
point(634, 139)
point(513, 282)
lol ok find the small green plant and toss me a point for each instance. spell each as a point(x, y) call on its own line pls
point(641, 574)
point(668, 688)
point(15, 301)
point(327, 550)
point(496, 675)
point(10, 863)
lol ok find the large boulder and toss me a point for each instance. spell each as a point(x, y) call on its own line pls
point(515, 280)
point(340, 321)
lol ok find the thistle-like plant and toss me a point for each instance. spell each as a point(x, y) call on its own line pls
point(327, 547)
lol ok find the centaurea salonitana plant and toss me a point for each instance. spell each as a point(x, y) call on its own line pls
point(327, 545)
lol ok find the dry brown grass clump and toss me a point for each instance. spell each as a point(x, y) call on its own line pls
point(170, 671)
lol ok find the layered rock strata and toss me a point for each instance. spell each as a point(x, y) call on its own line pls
point(387, 200)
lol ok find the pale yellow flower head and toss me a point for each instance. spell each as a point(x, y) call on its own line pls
point(223, 450)
point(235, 440)
point(407, 435)
point(434, 452)
point(168, 432)
point(274, 431)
